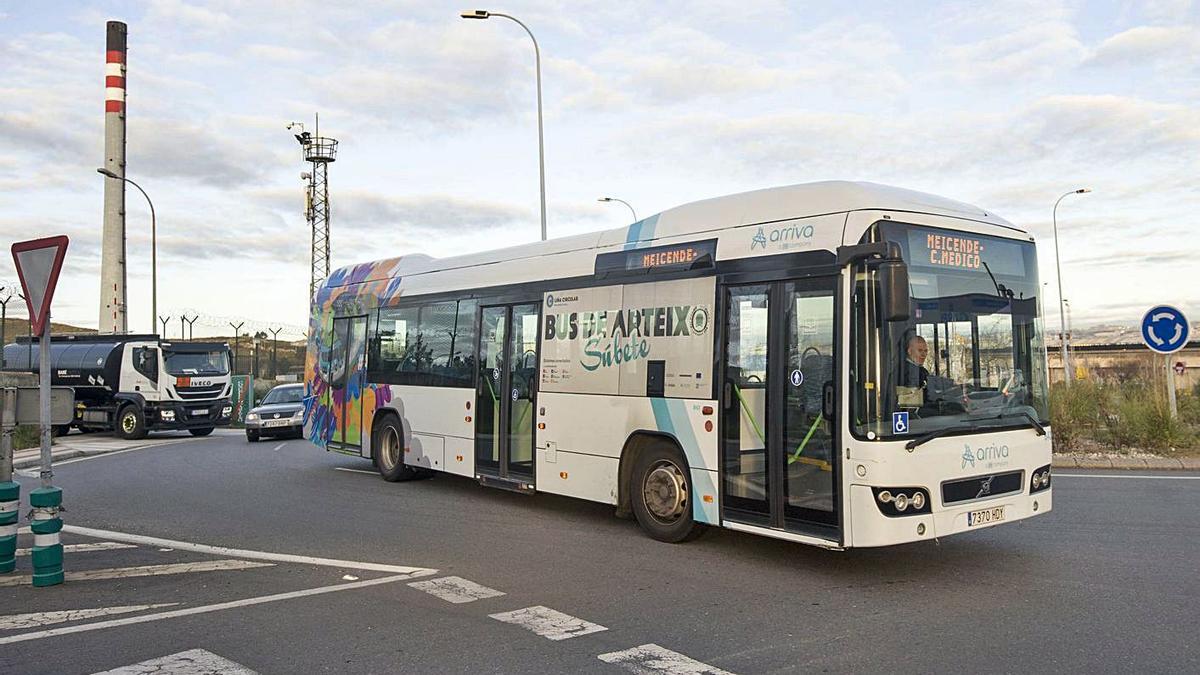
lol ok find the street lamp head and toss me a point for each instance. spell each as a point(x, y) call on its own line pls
point(604, 199)
point(475, 14)
point(1083, 191)
point(106, 172)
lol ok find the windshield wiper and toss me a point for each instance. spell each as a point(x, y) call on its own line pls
point(1033, 421)
point(921, 440)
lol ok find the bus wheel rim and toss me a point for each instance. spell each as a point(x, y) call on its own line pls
point(664, 491)
point(391, 448)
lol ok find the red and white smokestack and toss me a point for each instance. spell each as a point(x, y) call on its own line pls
point(112, 256)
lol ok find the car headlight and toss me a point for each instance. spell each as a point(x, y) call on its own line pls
point(252, 417)
point(299, 414)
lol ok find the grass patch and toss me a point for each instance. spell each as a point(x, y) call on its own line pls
point(1132, 415)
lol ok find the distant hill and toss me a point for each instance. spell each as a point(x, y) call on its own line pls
point(14, 328)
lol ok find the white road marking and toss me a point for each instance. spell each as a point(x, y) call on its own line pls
point(251, 555)
point(35, 619)
point(100, 453)
point(276, 448)
point(191, 662)
point(548, 623)
point(342, 468)
point(189, 611)
point(456, 589)
point(145, 571)
point(1089, 475)
point(650, 659)
point(86, 548)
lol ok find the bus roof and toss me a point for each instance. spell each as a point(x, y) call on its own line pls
point(787, 202)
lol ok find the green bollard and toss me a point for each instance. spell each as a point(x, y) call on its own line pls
point(47, 553)
point(10, 503)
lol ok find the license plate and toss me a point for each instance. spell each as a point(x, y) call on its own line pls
point(985, 516)
point(198, 413)
point(276, 423)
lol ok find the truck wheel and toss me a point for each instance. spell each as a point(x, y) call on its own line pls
point(661, 493)
point(59, 430)
point(202, 431)
point(388, 447)
point(130, 424)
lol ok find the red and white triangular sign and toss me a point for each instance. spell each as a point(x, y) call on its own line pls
point(38, 263)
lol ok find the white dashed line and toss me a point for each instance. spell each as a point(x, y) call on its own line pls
point(36, 619)
point(191, 662)
point(189, 611)
point(548, 623)
point(146, 571)
point(278, 447)
point(1092, 475)
point(86, 548)
point(456, 589)
point(251, 555)
point(650, 659)
point(342, 468)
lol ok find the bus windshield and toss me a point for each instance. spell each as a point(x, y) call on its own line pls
point(969, 357)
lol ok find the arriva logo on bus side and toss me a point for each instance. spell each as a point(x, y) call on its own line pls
point(789, 236)
point(991, 453)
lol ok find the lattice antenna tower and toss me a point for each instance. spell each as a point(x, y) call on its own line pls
point(319, 151)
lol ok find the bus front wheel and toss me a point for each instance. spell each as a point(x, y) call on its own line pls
point(662, 495)
point(387, 445)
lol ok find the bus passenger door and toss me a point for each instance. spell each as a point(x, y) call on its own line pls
point(779, 463)
point(506, 392)
point(348, 366)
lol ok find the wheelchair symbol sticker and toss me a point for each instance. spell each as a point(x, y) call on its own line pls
point(496, 374)
point(797, 378)
point(900, 422)
point(515, 394)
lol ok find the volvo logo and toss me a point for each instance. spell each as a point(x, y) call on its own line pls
point(985, 487)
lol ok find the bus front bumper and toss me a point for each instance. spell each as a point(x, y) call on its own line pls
point(870, 527)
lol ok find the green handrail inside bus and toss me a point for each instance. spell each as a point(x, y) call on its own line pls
point(749, 415)
point(807, 437)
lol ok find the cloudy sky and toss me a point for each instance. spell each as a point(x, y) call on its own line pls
point(1005, 104)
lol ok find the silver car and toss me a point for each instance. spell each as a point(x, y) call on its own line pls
point(280, 413)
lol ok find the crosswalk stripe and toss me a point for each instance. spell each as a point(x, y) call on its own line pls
point(86, 548)
point(35, 619)
point(550, 624)
point(651, 659)
point(191, 662)
point(146, 571)
point(456, 589)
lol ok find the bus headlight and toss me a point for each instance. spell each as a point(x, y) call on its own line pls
point(1040, 480)
point(905, 501)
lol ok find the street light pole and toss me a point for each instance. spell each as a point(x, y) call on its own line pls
point(614, 199)
point(537, 59)
point(1068, 374)
point(153, 248)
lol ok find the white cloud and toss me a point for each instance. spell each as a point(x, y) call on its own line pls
point(1148, 45)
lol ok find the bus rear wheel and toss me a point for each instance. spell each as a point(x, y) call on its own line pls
point(661, 493)
point(387, 445)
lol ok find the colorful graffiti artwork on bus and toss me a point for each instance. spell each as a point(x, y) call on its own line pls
point(344, 413)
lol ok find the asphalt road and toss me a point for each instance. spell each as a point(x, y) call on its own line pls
point(1108, 581)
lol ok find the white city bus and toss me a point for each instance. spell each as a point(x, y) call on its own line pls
point(838, 364)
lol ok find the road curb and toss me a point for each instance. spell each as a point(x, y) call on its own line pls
point(1126, 463)
point(61, 454)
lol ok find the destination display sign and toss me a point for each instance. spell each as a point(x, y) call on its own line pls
point(672, 258)
point(932, 249)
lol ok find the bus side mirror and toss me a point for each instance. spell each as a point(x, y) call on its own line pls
point(893, 289)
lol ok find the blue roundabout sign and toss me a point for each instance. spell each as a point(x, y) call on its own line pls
point(1165, 330)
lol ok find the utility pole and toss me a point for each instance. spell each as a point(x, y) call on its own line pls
point(237, 335)
point(319, 152)
point(8, 295)
point(274, 347)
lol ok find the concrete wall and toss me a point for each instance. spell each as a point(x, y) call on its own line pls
point(1115, 363)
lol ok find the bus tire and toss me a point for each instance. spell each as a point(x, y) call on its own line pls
point(661, 494)
point(202, 431)
point(387, 445)
point(130, 425)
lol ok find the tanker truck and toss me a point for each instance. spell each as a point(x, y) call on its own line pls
point(135, 384)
